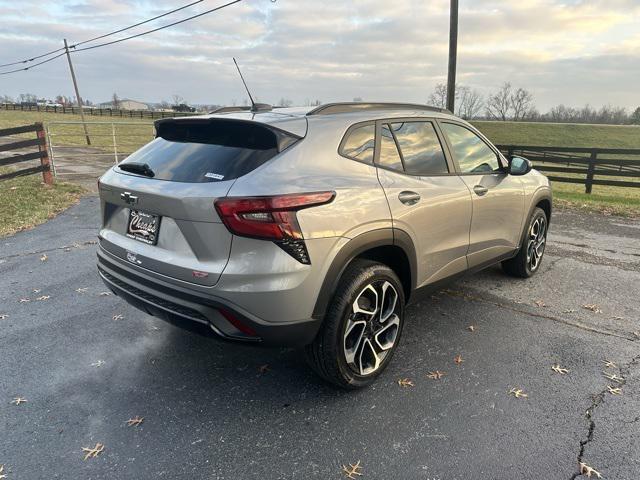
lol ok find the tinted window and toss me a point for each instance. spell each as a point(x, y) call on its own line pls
point(472, 154)
point(360, 143)
point(389, 156)
point(421, 150)
point(207, 152)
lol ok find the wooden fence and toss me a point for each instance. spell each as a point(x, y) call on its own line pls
point(96, 111)
point(619, 167)
point(42, 154)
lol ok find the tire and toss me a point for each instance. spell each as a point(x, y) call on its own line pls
point(341, 353)
point(527, 262)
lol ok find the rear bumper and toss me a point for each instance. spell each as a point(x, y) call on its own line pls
point(197, 312)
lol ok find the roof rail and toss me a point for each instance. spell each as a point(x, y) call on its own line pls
point(348, 107)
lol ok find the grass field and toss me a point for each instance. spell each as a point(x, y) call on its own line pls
point(131, 134)
point(606, 199)
point(27, 201)
point(561, 134)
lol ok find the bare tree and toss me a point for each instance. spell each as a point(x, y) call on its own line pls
point(499, 103)
point(635, 117)
point(357, 99)
point(177, 99)
point(115, 101)
point(438, 97)
point(521, 103)
point(470, 102)
point(285, 102)
point(6, 99)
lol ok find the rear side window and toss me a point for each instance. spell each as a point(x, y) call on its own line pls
point(360, 144)
point(420, 148)
point(208, 151)
point(389, 156)
point(413, 148)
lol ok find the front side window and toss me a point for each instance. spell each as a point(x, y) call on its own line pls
point(471, 152)
point(420, 148)
point(360, 144)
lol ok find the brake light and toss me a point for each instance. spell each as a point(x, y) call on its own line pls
point(271, 218)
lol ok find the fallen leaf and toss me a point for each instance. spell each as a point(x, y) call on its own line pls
point(36, 290)
point(105, 294)
point(614, 377)
point(588, 471)
point(118, 317)
point(3, 316)
point(569, 310)
point(616, 317)
point(263, 369)
point(93, 452)
point(135, 421)
point(559, 369)
point(405, 382)
point(43, 297)
point(593, 307)
point(609, 364)
point(614, 390)
point(44, 257)
point(2, 475)
point(352, 470)
point(98, 364)
point(19, 400)
point(437, 375)
point(518, 393)
point(540, 303)
point(637, 334)
point(25, 300)
point(471, 328)
point(82, 289)
point(458, 359)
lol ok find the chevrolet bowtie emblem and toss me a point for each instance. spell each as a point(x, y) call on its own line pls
point(130, 199)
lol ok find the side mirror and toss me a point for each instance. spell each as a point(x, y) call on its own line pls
point(519, 165)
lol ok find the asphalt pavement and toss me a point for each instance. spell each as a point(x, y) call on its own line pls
point(86, 363)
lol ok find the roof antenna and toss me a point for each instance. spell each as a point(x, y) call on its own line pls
point(255, 107)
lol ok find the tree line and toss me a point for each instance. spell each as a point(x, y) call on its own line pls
point(510, 103)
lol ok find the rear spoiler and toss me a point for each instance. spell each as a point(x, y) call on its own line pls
point(233, 132)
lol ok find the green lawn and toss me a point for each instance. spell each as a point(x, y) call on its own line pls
point(131, 133)
point(27, 201)
point(561, 134)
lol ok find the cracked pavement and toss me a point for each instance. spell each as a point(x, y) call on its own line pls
point(211, 413)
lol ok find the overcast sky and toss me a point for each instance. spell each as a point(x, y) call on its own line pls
point(571, 51)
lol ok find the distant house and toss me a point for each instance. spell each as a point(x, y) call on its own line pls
point(126, 104)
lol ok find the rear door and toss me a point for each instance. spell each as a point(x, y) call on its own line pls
point(158, 210)
point(426, 197)
point(498, 198)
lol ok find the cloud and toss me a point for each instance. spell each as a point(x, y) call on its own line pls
point(572, 51)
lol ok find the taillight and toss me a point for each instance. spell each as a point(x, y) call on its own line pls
point(271, 218)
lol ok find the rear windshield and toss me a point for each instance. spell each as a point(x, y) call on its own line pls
point(208, 151)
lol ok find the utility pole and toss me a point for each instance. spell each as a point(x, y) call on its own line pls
point(453, 53)
point(75, 86)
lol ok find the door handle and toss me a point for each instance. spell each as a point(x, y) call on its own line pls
point(409, 198)
point(480, 190)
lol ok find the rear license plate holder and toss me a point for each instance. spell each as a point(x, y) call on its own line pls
point(143, 226)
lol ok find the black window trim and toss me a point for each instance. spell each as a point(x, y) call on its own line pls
point(501, 161)
point(346, 135)
point(439, 135)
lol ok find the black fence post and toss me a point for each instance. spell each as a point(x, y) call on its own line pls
point(590, 170)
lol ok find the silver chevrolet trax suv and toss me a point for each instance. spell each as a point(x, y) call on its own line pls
point(314, 227)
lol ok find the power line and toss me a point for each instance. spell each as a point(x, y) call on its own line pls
point(137, 24)
point(32, 58)
point(27, 60)
point(159, 28)
point(34, 65)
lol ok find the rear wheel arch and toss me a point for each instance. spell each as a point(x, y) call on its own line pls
point(377, 245)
